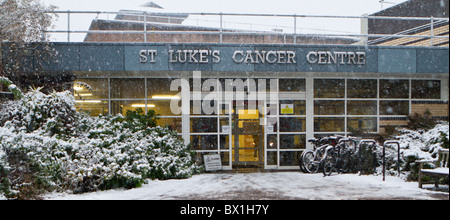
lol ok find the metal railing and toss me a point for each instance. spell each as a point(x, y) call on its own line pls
point(364, 36)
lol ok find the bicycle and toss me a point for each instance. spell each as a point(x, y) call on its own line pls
point(310, 159)
point(339, 158)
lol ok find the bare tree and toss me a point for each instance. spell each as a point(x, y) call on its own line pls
point(23, 38)
point(24, 20)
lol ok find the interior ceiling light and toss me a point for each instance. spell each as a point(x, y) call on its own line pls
point(166, 97)
point(143, 105)
point(84, 94)
point(88, 101)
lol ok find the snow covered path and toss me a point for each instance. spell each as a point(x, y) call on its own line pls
point(276, 186)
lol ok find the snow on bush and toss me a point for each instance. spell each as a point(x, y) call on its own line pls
point(423, 144)
point(418, 145)
point(46, 145)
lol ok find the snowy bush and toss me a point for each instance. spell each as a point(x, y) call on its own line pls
point(52, 114)
point(4, 182)
point(11, 87)
point(421, 144)
point(46, 145)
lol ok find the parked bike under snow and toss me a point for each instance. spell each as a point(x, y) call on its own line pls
point(342, 155)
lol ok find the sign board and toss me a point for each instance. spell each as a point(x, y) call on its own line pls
point(212, 162)
point(287, 109)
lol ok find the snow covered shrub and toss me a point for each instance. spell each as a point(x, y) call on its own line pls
point(53, 114)
point(422, 144)
point(119, 155)
point(424, 121)
point(11, 87)
point(46, 145)
point(4, 181)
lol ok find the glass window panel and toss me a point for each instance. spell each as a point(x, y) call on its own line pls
point(127, 88)
point(326, 107)
point(292, 85)
point(272, 157)
point(289, 158)
point(225, 156)
point(93, 107)
point(272, 141)
point(88, 89)
point(271, 125)
point(292, 141)
point(298, 107)
point(123, 106)
point(362, 88)
point(329, 88)
point(361, 107)
point(204, 142)
point(224, 109)
point(203, 125)
point(393, 88)
point(242, 84)
point(161, 107)
point(329, 124)
point(196, 107)
point(394, 107)
point(426, 89)
point(291, 124)
point(173, 124)
point(160, 89)
point(202, 83)
point(362, 124)
point(225, 142)
point(225, 126)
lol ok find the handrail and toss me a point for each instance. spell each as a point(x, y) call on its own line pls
point(220, 31)
point(256, 15)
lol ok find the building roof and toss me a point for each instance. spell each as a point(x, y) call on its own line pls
point(156, 22)
point(160, 17)
point(412, 8)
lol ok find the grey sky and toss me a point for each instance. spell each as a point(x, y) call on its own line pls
point(300, 7)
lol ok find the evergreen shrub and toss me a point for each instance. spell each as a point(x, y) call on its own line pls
point(46, 145)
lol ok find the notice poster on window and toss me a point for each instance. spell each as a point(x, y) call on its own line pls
point(287, 109)
point(212, 162)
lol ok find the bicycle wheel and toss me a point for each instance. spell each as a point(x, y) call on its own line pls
point(310, 162)
point(300, 162)
point(344, 163)
point(327, 164)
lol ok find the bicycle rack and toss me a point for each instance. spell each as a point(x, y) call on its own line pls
point(364, 141)
point(384, 157)
point(343, 140)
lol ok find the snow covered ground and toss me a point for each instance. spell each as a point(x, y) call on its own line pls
point(268, 185)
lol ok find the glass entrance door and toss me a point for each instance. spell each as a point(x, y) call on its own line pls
point(247, 135)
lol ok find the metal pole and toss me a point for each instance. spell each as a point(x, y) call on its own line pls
point(431, 31)
point(145, 27)
point(221, 28)
point(295, 29)
point(384, 162)
point(68, 26)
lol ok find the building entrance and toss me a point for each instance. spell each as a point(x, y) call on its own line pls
point(247, 136)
